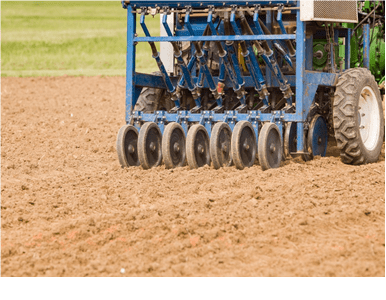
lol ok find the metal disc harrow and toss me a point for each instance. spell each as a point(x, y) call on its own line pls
point(224, 148)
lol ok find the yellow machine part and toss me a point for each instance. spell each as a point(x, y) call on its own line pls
point(241, 59)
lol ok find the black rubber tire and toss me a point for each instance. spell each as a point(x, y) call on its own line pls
point(197, 140)
point(152, 99)
point(270, 147)
point(243, 145)
point(127, 146)
point(220, 145)
point(173, 158)
point(290, 135)
point(150, 136)
point(347, 121)
point(313, 133)
point(147, 100)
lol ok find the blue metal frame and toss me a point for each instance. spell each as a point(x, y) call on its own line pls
point(306, 81)
point(366, 46)
point(201, 3)
point(215, 38)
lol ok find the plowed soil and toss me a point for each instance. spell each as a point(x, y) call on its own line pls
point(68, 209)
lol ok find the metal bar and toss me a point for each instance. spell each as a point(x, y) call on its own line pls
point(268, 71)
point(283, 31)
point(166, 25)
point(347, 48)
point(235, 116)
point(191, 63)
point(300, 67)
point(366, 46)
point(156, 81)
point(205, 50)
point(216, 38)
point(280, 20)
point(130, 63)
point(233, 57)
point(221, 76)
point(320, 78)
point(235, 64)
point(166, 49)
point(205, 3)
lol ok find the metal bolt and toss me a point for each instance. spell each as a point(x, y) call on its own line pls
point(200, 149)
point(176, 147)
point(131, 149)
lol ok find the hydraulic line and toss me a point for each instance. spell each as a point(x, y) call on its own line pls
point(205, 48)
point(180, 61)
point(231, 52)
point(292, 51)
point(238, 85)
point(253, 65)
point(277, 45)
point(203, 63)
point(267, 54)
point(169, 85)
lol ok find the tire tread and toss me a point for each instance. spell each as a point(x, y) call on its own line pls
point(344, 107)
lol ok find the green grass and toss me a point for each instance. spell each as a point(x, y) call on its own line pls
point(73, 38)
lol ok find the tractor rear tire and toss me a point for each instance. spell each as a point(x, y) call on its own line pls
point(358, 117)
point(152, 99)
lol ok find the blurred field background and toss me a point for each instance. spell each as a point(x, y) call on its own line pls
point(86, 38)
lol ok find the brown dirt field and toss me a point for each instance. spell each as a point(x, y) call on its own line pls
point(68, 209)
